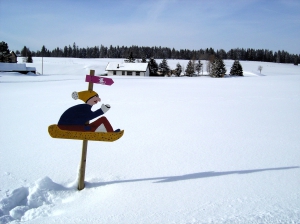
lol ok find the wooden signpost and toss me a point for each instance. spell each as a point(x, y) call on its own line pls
point(56, 132)
point(84, 147)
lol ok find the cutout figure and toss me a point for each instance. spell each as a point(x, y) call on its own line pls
point(75, 118)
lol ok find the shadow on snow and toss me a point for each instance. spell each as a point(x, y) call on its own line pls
point(191, 176)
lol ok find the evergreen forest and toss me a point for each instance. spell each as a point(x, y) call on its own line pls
point(143, 53)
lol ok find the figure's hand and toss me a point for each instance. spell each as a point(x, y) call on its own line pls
point(105, 108)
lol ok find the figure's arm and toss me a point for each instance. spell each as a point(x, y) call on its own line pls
point(99, 112)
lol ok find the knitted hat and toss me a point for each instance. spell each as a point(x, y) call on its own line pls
point(84, 95)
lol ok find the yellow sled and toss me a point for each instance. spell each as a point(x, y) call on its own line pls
point(56, 132)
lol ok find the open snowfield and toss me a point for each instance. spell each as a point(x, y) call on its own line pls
point(195, 149)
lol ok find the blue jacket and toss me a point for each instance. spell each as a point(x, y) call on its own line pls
point(79, 115)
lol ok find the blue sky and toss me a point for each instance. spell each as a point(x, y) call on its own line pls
point(179, 24)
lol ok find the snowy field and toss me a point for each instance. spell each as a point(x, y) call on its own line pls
point(195, 149)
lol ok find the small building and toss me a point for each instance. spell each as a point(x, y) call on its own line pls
point(127, 69)
point(13, 57)
point(9, 58)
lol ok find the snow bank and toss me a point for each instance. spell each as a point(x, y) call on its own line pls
point(27, 203)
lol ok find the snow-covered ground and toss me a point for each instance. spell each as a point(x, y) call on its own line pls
point(195, 149)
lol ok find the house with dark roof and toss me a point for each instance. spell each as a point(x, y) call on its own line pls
point(13, 57)
point(9, 58)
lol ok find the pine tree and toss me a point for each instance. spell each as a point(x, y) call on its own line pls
point(74, 50)
point(153, 67)
point(24, 52)
point(103, 52)
point(45, 52)
point(198, 66)
point(296, 60)
point(178, 69)
point(130, 58)
point(278, 57)
point(218, 69)
point(69, 51)
point(29, 57)
point(164, 67)
point(236, 68)
point(190, 68)
point(4, 52)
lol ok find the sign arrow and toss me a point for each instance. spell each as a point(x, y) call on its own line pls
point(99, 80)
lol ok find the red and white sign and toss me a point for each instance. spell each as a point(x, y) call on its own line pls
point(99, 80)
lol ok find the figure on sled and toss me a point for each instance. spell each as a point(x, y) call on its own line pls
point(76, 117)
point(74, 122)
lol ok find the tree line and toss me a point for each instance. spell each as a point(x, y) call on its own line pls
point(215, 68)
point(242, 54)
point(143, 53)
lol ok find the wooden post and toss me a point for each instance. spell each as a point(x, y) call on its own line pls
point(84, 149)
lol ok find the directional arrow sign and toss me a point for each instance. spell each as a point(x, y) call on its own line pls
point(99, 80)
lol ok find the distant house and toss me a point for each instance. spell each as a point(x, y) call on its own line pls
point(9, 58)
point(127, 69)
point(13, 57)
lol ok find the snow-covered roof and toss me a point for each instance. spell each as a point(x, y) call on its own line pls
point(6, 67)
point(12, 67)
point(115, 66)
